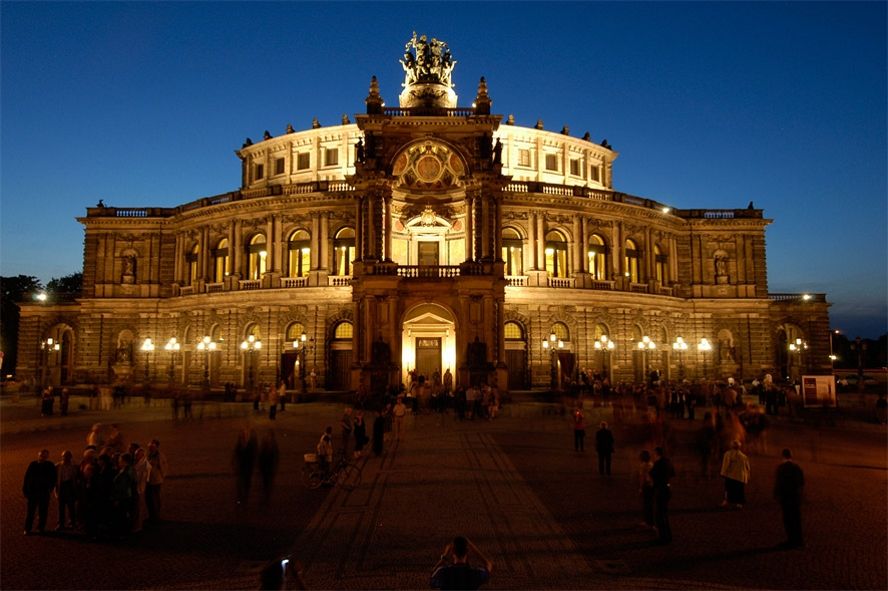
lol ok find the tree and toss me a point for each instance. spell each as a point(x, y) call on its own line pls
point(67, 287)
point(14, 290)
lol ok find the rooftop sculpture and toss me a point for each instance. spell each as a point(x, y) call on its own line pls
point(427, 62)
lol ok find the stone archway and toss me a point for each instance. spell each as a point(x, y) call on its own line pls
point(428, 340)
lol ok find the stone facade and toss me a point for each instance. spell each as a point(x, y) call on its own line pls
point(427, 237)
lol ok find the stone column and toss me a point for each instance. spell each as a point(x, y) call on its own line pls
point(231, 248)
point(315, 240)
point(387, 225)
point(470, 244)
point(324, 242)
point(530, 259)
point(479, 225)
point(359, 227)
point(498, 227)
point(577, 245)
point(541, 243)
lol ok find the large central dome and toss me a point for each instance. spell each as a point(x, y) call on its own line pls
point(428, 66)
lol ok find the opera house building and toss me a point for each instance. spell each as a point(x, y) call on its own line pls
point(423, 237)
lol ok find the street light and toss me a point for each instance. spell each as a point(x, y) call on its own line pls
point(302, 345)
point(645, 345)
point(552, 344)
point(172, 346)
point(206, 345)
point(48, 346)
point(249, 347)
point(704, 346)
point(797, 347)
point(680, 346)
point(606, 346)
point(147, 347)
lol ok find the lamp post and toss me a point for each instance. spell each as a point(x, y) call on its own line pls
point(206, 345)
point(680, 346)
point(147, 348)
point(552, 344)
point(606, 346)
point(704, 346)
point(797, 347)
point(172, 346)
point(48, 346)
point(250, 346)
point(645, 345)
point(302, 345)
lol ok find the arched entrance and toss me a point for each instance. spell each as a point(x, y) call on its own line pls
point(428, 341)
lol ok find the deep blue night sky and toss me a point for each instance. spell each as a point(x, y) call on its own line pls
point(709, 105)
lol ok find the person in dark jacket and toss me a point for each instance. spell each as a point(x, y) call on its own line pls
point(604, 446)
point(453, 570)
point(661, 473)
point(40, 481)
point(788, 486)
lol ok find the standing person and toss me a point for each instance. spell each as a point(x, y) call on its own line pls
point(141, 468)
point(707, 441)
point(347, 425)
point(399, 412)
point(604, 445)
point(64, 399)
point(646, 488)
point(735, 471)
point(579, 429)
point(272, 403)
point(661, 473)
point(68, 475)
point(378, 433)
point(156, 476)
point(360, 429)
point(46, 402)
point(788, 486)
point(269, 456)
point(282, 394)
point(325, 451)
point(453, 571)
point(40, 481)
point(124, 484)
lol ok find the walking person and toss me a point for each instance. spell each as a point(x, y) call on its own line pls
point(40, 481)
point(124, 484)
point(453, 571)
point(789, 484)
point(346, 424)
point(68, 475)
point(661, 473)
point(244, 462)
point(646, 488)
point(156, 476)
point(64, 399)
point(379, 433)
point(735, 471)
point(604, 446)
point(399, 412)
point(579, 429)
point(141, 468)
point(360, 430)
point(269, 457)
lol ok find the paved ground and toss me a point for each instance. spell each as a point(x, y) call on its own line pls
point(515, 486)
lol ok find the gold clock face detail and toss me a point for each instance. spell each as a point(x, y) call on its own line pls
point(429, 166)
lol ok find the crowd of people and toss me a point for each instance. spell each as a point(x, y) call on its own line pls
point(110, 492)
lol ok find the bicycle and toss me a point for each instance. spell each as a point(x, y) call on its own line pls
point(342, 473)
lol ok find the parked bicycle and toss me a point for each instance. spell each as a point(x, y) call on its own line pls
point(342, 473)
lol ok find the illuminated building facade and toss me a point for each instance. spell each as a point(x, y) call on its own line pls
point(426, 236)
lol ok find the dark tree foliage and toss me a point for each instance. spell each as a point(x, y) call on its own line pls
point(65, 288)
point(13, 290)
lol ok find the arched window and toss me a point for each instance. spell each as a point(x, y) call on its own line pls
point(596, 252)
point(191, 262)
point(298, 254)
point(513, 331)
point(630, 261)
point(661, 268)
point(294, 331)
point(562, 333)
point(556, 254)
point(343, 331)
point(256, 257)
point(513, 252)
point(220, 261)
point(343, 251)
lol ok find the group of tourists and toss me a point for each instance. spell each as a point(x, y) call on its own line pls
point(106, 493)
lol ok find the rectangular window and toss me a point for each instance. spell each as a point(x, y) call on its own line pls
point(523, 157)
point(552, 162)
point(575, 166)
point(260, 172)
point(303, 161)
point(595, 174)
point(331, 157)
point(279, 166)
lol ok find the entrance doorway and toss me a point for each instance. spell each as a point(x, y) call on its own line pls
point(428, 253)
point(428, 356)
